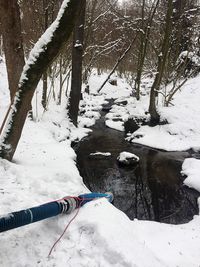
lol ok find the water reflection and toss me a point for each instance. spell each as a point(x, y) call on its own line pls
point(151, 190)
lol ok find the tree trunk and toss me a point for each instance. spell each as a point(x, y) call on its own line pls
point(61, 81)
point(144, 41)
point(77, 58)
point(12, 42)
point(45, 76)
point(1, 43)
point(162, 60)
point(141, 54)
point(44, 90)
point(42, 55)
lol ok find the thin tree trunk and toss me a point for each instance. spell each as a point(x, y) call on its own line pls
point(44, 90)
point(77, 59)
point(12, 42)
point(61, 81)
point(141, 55)
point(42, 55)
point(144, 41)
point(1, 43)
point(45, 76)
point(116, 65)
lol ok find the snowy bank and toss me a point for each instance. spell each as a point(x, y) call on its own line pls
point(182, 130)
point(44, 169)
point(191, 168)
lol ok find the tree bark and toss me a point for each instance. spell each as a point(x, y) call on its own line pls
point(162, 60)
point(141, 54)
point(42, 55)
point(77, 60)
point(12, 42)
point(45, 76)
point(61, 80)
point(44, 90)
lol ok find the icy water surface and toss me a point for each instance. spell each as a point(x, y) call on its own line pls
point(151, 190)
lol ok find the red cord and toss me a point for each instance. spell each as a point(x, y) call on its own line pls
point(67, 226)
point(73, 218)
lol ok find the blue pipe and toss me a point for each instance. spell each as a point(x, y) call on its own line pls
point(65, 205)
point(88, 197)
point(23, 217)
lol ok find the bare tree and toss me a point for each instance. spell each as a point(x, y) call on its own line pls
point(42, 55)
point(162, 61)
point(12, 42)
point(144, 42)
point(45, 76)
point(77, 58)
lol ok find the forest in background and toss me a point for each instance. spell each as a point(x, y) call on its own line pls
point(154, 38)
point(156, 50)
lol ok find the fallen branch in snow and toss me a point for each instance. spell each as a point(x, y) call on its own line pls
point(117, 64)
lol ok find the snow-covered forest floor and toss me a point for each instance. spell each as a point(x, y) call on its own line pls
point(44, 169)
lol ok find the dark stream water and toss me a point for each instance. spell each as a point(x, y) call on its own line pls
point(151, 190)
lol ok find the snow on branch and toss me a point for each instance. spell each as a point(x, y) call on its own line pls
point(43, 53)
point(41, 44)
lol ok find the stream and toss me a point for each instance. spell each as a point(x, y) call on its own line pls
point(150, 190)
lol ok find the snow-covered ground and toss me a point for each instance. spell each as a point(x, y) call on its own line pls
point(183, 129)
point(44, 169)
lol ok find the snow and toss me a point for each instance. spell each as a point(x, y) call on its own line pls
point(4, 93)
point(44, 169)
point(108, 91)
point(182, 132)
point(183, 129)
point(191, 168)
point(191, 55)
point(105, 154)
point(78, 45)
point(38, 48)
point(41, 44)
point(117, 125)
point(127, 155)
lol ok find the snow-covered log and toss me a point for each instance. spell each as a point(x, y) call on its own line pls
point(44, 52)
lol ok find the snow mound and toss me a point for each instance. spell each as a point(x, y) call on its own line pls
point(117, 125)
point(127, 158)
point(106, 154)
point(191, 168)
point(182, 131)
